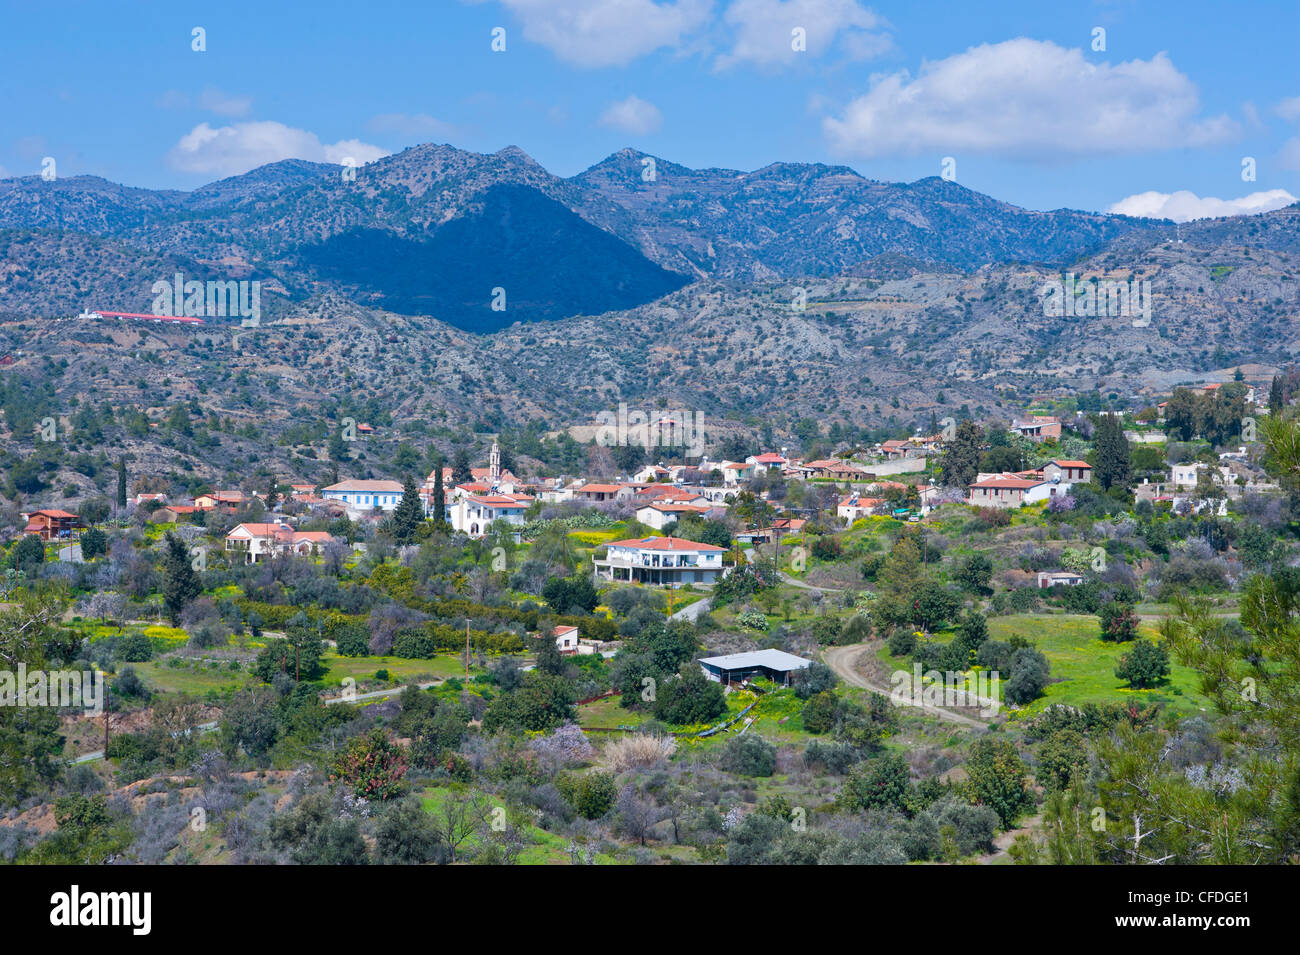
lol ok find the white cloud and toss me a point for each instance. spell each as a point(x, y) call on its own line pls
point(764, 30)
point(632, 115)
point(1027, 98)
point(235, 149)
point(1184, 206)
point(1289, 109)
point(420, 126)
point(594, 33)
point(211, 99)
point(224, 104)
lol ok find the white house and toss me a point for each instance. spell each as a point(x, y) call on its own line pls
point(660, 514)
point(856, 506)
point(768, 461)
point(566, 638)
point(362, 497)
point(660, 560)
point(255, 541)
point(1186, 475)
point(472, 514)
point(1065, 578)
point(733, 472)
point(651, 472)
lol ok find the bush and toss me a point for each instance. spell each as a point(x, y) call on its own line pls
point(592, 795)
point(878, 783)
point(134, 648)
point(1145, 666)
point(820, 711)
point(353, 641)
point(813, 679)
point(1029, 672)
point(692, 698)
point(749, 755)
point(902, 642)
point(413, 644)
point(1119, 623)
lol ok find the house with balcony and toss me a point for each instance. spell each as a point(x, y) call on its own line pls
point(256, 541)
point(228, 501)
point(52, 525)
point(474, 513)
point(1038, 428)
point(660, 560)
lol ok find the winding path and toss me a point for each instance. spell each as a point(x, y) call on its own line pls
point(842, 659)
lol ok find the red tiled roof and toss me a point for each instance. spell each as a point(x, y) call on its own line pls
point(1008, 482)
point(665, 543)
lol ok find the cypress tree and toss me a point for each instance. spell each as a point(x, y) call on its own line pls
point(409, 513)
point(1112, 453)
point(439, 495)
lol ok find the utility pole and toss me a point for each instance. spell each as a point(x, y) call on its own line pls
point(466, 649)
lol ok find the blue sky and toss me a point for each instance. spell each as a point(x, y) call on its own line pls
point(1013, 92)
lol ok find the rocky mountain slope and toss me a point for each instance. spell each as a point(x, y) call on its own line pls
point(434, 229)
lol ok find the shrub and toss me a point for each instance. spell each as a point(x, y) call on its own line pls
point(353, 641)
point(373, 765)
point(749, 756)
point(878, 783)
point(692, 698)
point(902, 642)
point(1145, 666)
point(820, 711)
point(1029, 672)
point(412, 644)
point(592, 794)
point(1119, 623)
point(134, 648)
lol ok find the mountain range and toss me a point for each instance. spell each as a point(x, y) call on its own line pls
point(482, 241)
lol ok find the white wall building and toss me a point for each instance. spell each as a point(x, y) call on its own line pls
point(660, 560)
point(362, 497)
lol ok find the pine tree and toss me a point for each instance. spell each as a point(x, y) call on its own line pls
point(1276, 401)
point(272, 494)
point(409, 513)
point(121, 482)
point(338, 450)
point(1112, 453)
point(180, 583)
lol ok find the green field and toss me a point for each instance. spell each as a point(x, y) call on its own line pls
point(1083, 665)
